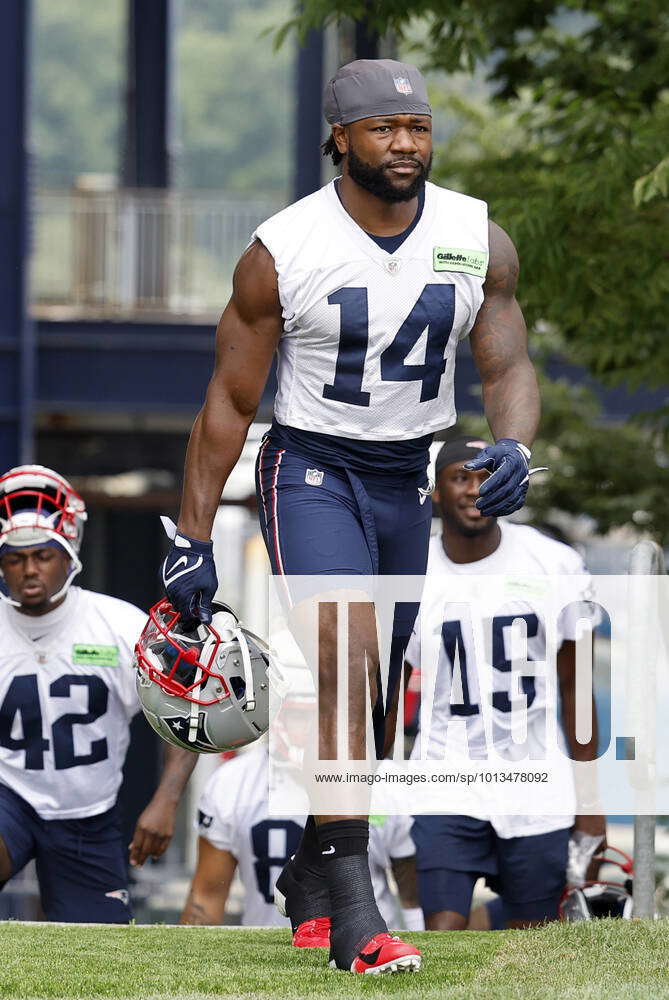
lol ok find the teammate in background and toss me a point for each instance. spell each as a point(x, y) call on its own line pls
point(236, 831)
point(364, 290)
point(524, 858)
point(67, 695)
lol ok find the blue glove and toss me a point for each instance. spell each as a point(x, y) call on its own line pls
point(189, 575)
point(504, 491)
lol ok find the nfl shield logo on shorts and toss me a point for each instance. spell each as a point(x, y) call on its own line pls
point(402, 85)
point(314, 477)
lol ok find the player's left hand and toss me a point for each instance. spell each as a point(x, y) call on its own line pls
point(153, 832)
point(189, 575)
point(504, 491)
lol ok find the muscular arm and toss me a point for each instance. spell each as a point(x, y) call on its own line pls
point(499, 346)
point(247, 336)
point(210, 886)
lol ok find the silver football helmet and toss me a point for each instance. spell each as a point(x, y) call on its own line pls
point(600, 898)
point(39, 507)
point(206, 687)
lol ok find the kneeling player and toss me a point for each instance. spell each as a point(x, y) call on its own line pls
point(67, 695)
point(237, 832)
point(524, 858)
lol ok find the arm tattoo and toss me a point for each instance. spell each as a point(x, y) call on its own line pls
point(499, 346)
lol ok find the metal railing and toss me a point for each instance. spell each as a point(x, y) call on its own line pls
point(647, 559)
point(113, 253)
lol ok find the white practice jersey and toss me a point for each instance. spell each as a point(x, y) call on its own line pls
point(369, 338)
point(67, 695)
point(389, 837)
point(234, 816)
point(463, 643)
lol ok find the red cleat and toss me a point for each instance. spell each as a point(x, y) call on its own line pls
point(313, 934)
point(385, 953)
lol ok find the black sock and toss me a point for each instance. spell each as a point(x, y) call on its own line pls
point(354, 913)
point(308, 854)
point(302, 881)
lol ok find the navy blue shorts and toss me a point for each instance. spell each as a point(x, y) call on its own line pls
point(497, 914)
point(81, 863)
point(327, 520)
point(452, 852)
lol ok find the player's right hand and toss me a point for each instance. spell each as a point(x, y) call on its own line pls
point(189, 575)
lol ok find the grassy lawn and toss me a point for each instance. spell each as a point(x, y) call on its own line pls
point(605, 960)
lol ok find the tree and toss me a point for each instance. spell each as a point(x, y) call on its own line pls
point(78, 68)
point(233, 95)
point(582, 88)
point(618, 474)
point(235, 100)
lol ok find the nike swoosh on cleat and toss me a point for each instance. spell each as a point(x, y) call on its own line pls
point(370, 958)
point(330, 850)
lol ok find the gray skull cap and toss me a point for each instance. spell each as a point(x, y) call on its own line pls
point(368, 88)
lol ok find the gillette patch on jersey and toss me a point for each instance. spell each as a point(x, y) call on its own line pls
point(454, 259)
point(85, 655)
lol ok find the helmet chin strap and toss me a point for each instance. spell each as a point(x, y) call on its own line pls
point(248, 670)
point(194, 714)
point(75, 569)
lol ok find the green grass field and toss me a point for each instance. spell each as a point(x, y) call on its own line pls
point(604, 960)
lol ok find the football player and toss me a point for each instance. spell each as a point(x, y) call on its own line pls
point(524, 858)
point(363, 290)
point(67, 695)
point(236, 831)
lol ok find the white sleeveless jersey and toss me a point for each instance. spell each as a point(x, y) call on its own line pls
point(463, 644)
point(369, 338)
point(66, 700)
point(234, 816)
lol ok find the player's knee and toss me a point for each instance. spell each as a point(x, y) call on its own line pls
point(5, 862)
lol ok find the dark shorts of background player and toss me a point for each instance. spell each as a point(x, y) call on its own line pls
point(81, 863)
point(453, 852)
point(344, 523)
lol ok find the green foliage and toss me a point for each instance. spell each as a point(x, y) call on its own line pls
point(78, 69)
point(617, 473)
point(233, 97)
point(654, 184)
point(580, 112)
point(594, 267)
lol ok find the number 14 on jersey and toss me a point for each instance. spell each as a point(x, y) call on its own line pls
point(434, 311)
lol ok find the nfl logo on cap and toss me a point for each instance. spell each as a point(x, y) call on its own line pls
point(402, 85)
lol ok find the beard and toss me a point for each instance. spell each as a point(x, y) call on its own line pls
point(375, 180)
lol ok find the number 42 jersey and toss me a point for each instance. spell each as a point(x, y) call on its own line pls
point(67, 695)
point(369, 338)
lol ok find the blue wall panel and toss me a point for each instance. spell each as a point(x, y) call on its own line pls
point(16, 334)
